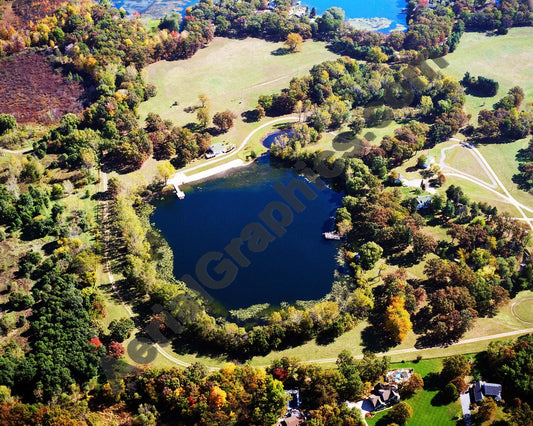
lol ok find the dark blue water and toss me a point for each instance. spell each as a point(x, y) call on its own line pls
point(297, 266)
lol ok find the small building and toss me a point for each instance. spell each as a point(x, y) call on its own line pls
point(215, 150)
point(480, 390)
point(400, 180)
point(429, 162)
point(423, 202)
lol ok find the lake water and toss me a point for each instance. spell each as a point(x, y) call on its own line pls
point(390, 9)
point(297, 266)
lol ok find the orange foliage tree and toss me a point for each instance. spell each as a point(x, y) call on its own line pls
point(397, 319)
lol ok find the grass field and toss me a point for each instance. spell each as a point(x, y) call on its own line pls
point(523, 309)
point(232, 73)
point(503, 159)
point(426, 409)
point(507, 59)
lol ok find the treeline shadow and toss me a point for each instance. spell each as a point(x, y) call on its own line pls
point(374, 339)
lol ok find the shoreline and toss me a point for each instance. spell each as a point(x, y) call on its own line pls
point(181, 178)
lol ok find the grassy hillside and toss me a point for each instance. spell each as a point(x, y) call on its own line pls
point(507, 59)
point(232, 73)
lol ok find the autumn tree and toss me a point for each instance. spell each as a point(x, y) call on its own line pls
point(423, 244)
point(294, 42)
point(115, 350)
point(414, 384)
point(486, 411)
point(204, 101)
point(397, 319)
point(165, 170)
point(224, 120)
point(202, 115)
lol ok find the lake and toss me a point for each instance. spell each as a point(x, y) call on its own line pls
point(388, 9)
point(299, 265)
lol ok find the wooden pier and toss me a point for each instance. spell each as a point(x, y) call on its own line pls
point(179, 192)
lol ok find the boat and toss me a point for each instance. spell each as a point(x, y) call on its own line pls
point(332, 236)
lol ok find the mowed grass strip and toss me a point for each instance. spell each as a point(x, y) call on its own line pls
point(523, 310)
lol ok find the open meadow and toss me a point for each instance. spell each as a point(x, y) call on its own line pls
point(232, 73)
point(507, 59)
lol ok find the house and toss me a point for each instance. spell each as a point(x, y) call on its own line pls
point(382, 396)
point(480, 390)
point(423, 202)
point(388, 393)
point(292, 419)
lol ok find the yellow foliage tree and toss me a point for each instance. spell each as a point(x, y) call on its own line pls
point(397, 319)
point(294, 42)
point(217, 397)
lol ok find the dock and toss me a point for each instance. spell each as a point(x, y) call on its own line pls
point(179, 192)
point(332, 236)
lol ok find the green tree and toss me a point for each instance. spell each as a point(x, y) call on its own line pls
point(202, 115)
point(7, 122)
point(454, 366)
point(450, 392)
point(369, 254)
point(401, 412)
point(120, 330)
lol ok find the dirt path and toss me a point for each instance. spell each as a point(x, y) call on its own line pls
point(18, 151)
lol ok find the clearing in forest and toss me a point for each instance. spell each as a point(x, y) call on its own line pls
point(33, 92)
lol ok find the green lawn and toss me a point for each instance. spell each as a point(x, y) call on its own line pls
point(232, 73)
point(503, 159)
point(425, 410)
point(523, 309)
point(507, 59)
